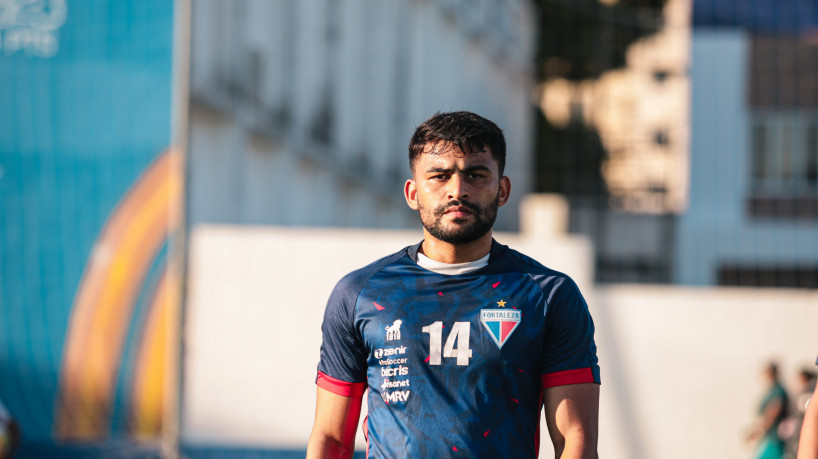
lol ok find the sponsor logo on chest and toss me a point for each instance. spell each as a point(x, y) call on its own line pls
point(396, 396)
point(393, 331)
point(389, 351)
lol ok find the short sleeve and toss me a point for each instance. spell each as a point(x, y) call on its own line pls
point(569, 351)
point(342, 366)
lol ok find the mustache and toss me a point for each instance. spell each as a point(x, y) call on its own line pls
point(469, 205)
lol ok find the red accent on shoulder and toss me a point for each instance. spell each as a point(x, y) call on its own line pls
point(454, 448)
point(514, 400)
point(486, 433)
point(494, 285)
point(426, 359)
point(336, 386)
point(440, 293)
point(564, 378)
point(378, 307)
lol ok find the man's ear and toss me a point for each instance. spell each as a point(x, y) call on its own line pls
point(505, 190)
point(410, 192)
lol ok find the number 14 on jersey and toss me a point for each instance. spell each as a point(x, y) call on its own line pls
point(457, 343)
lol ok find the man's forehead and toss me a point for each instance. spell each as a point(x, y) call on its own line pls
point(455, 158)
point(444, 147)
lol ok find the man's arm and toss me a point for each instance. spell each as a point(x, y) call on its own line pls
point(808, 444)
point(572, 416)
point(336, 422)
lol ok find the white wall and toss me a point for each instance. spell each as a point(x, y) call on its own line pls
point(716, 227)
point(679, 365)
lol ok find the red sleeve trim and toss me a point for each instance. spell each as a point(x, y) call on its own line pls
point(563, 378)
point(336, 386)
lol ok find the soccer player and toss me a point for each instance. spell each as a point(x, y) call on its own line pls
point(808, 443)
point(460, 340)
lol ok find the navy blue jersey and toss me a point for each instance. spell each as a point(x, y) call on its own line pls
point(455, 364)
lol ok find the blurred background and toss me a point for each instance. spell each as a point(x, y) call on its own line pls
point(182, 183)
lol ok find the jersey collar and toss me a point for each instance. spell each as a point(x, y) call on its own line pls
point(497, 249)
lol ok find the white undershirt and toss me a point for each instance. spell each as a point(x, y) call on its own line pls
point(451, 269)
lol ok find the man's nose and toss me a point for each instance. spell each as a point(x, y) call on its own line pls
point(458, 188)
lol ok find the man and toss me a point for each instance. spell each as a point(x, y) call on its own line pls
point(459, 339)
point(771, 412)
point(808, 443)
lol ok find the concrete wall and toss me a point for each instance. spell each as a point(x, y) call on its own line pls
point(679, 365)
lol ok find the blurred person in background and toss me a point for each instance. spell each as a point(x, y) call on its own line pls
point(9, 433)
point(771, 412)
point(806, 385)
point(460, 340)
point(808, 442)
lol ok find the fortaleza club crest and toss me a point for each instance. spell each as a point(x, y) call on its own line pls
point(500, 323)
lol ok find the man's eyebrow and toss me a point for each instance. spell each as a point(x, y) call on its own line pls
point(477, 168)
point(433, 170)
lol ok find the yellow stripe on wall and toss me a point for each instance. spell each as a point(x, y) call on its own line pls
point(103, 305)
point(155, 367)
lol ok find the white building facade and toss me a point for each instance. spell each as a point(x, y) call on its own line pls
point(301, 111)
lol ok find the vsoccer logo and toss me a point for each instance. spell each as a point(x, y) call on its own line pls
point(500, 323)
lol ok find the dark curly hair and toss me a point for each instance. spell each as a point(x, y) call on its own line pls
point(469, 132)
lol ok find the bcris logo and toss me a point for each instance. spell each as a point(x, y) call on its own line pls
point(397, 396)
point(389, 351)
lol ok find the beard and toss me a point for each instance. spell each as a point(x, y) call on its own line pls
point(458, 231)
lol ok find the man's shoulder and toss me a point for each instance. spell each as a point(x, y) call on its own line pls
point(529, 265)
point(354, 281)
point(550, 281)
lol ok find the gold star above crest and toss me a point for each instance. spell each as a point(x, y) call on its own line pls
point(501, 303)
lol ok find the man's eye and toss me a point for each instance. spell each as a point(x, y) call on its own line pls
point(476, 176)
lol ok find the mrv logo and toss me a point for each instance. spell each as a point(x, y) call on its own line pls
point(389, 351)
point(397, 396)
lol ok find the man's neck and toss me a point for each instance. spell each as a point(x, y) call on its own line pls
point(445, 252)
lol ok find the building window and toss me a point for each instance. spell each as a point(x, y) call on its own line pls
point(784, 148)
point(759, 146)
point(768, 276)
point(784, 152)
